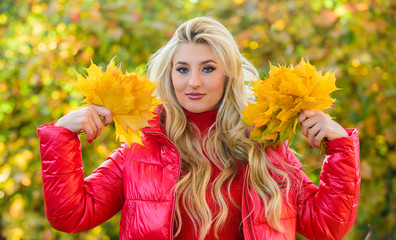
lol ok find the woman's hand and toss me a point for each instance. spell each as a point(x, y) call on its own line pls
point(87, 119)
point(316, 126)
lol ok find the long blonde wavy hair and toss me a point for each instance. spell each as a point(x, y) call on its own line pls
point(225, 142)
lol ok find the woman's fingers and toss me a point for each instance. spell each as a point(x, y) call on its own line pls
point(104, 112)
point(312, 134)
point(319, 137)
point(99, 111)
point(306, 125)
point(309, 119)
point(87, 119)
point(89, 129)
point(95, 122)
point(87, 123)
point(98, 124)
point(316, 126)
point(306, 114)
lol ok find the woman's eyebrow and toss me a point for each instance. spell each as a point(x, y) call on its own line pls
point(181, 63)
point(209, 61)
point(204, 62)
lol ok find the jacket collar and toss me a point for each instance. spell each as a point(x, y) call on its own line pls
point(155, 122)
point(154, 126)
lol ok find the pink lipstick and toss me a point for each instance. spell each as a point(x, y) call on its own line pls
point(195, 95)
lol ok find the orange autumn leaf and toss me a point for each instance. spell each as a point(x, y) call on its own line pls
point(128, 96)
point(283, 96)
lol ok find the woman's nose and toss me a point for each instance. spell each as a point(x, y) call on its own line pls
point(195, 79)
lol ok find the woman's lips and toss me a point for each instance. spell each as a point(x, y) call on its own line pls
point(195, 96)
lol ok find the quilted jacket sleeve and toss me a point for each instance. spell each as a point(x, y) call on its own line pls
point(72, 203)
point(329, 211)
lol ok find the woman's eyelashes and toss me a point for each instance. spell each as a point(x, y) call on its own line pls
point(205, 69)
point(208, 69)
point(182, 69)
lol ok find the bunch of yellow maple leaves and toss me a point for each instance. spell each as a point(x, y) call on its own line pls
point(283, 96)
point(128, 96)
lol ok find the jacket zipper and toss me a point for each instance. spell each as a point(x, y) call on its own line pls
point(178, 175)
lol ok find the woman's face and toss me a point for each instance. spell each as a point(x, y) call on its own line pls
point(198, 77)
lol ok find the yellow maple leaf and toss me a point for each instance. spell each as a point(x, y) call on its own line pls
point(282, 96)
point(128, 96)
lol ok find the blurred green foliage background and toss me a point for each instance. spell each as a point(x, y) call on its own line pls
point(42, 43)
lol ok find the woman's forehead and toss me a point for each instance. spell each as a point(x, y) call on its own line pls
point(191, 53)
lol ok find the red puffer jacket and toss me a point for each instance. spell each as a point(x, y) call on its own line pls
point(140, 180)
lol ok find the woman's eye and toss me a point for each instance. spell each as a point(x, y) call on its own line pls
point(182, 70)
point(208, 69)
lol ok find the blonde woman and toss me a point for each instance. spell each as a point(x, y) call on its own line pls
point(198, 176)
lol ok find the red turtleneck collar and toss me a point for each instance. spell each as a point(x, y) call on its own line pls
point(203, 120)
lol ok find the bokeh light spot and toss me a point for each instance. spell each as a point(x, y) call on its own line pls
point(253, 45)
point(238, 1)
point(355, 63)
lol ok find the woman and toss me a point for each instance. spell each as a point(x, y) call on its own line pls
point(198, 176)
